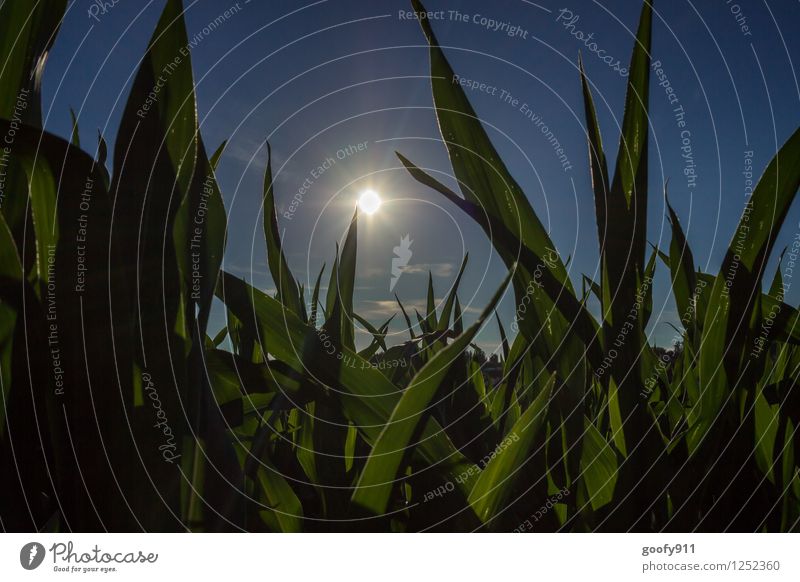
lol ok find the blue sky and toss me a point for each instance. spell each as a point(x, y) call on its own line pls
point(318, 79)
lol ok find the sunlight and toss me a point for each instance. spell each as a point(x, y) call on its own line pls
point(369, 202)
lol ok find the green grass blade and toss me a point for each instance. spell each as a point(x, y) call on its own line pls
point(406, 317)
point(508, 245)
point(331, 297)
point(486, 181)
point(74, 136)
point(736, 288)
point(312, 320)
point(215, 157)
point(288, 292)
point(27, 31)
point(598, 467)
point(458, 322)
point(497, 480)
point(630, 177)
point(200, 233)
point(366, 396)
point(447, 310)
point(597, 162)
point(681, 266)
point(378, 477)
point(503, 338)
point(346, 278)
point(430, 307)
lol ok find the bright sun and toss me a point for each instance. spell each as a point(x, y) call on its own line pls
point(369, 202)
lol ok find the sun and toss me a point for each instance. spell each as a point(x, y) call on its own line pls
point(369, 202)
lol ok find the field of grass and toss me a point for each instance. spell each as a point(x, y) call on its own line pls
point(121, 412)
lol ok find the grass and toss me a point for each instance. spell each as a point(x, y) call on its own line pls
point(120, 411)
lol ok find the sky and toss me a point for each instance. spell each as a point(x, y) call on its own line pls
point(337, 86)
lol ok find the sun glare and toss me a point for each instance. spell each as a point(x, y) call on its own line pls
point(369, 202)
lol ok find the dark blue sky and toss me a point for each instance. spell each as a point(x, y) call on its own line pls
point(316, 78)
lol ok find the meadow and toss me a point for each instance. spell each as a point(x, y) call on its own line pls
point(122, 411)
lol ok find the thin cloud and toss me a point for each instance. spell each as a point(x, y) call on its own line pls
point(384, 308)
point(437, 269)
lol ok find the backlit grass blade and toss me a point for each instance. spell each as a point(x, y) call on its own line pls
point(598, 468)
point(199, 236)
point(366, 395)
point(493, 198)
point(102, 155)
point(681, 266)
point(331, 297)
point(494, 486)
point(288, 291)
point(630, 176)
point(27, 31)
point(74, 136)
point(283, 510)
point(430, 306)
point(378, 477)
point(503, 338)
point(597, 162)
point(776, 288)
point(10, 263)
point(43, 196)
point(486, 181)
point(583, 324)
point(11, 273)
point(447, 310)
point(458, 322)
point(409, 325)
point(737, 286)
point(155, 165)
point(621, 211)
point(67, 394)
point(345, 279)
point(312, 318)
point(215, 157)
point(378, 333)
